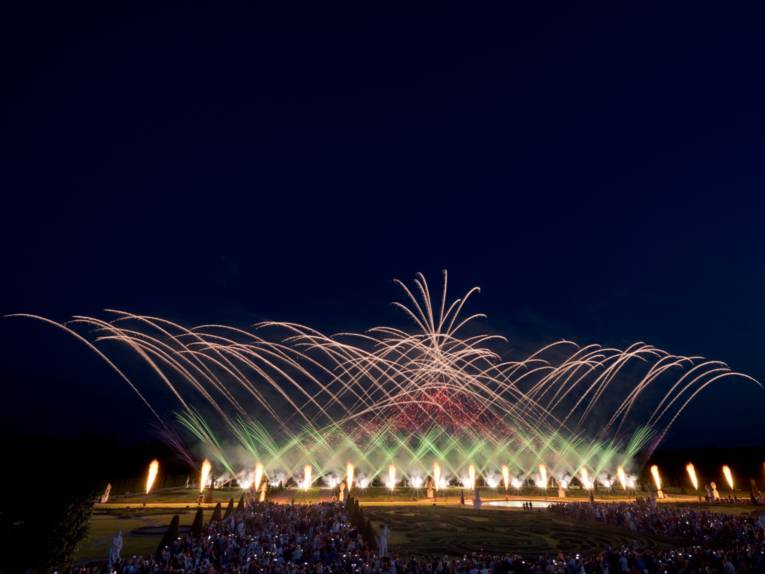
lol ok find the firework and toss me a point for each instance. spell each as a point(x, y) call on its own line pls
point(656, 479)
point(728, 475)
point(258, 474)
point(204, 474)
point(288, 394)
point(151, 475)
point(391, 482)
point(691, 470)
point(349, 470)
point(437, 474)
point(470, 483)
point(542, 482)
point(622, 476)
point(505, 476)
point(307, 476)
point(585, 479)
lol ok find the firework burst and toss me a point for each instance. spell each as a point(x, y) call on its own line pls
point(294, 398)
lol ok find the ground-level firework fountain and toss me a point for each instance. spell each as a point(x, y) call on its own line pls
point(151, 475)
point(286, 402)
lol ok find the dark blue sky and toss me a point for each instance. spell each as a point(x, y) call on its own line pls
point(597, 169)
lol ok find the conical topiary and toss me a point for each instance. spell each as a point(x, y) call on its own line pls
point(170, 534)
point(216, 515)
point(198, 524)
point(229, 508)
point(371, 539)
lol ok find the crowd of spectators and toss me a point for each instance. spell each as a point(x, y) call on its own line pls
point(326, 538)
point(263, 537)
point(700, 540)
point(682, 523)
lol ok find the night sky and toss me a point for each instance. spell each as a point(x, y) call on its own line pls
point(597, 170)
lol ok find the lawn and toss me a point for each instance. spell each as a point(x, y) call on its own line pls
point(450, 530)
point(106, 522)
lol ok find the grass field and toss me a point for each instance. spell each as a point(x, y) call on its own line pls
point(106, 522)
point(450, 530)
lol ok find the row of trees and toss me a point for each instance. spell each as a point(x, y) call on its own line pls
point(359, 521)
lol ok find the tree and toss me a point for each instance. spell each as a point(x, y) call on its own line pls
point(44, 525)
point(216, 515)
point(170, 535)
point(198, 524)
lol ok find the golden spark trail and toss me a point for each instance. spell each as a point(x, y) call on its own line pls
point(506, 476)
point(542, 476)
point(349, 471)
point(258, 475)
point(728, 475)
point(391, 483)
point(151, 476)
point(622, 476)
point(691, 470)
point(656, 476)
point(585, 478)
point(204, 475)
